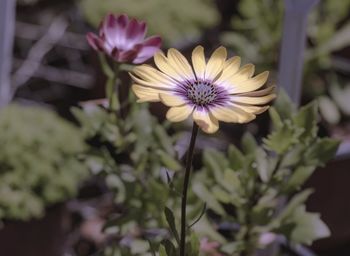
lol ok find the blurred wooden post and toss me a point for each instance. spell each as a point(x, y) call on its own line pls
point(293, 46)
point(7, 28)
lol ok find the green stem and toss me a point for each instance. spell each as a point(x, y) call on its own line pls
point(189, 159)
point(112, 73)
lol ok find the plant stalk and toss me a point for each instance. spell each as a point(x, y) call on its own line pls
point(189, 159)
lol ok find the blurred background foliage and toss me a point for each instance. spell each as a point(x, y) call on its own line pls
point(38, 161)
point(256, 34)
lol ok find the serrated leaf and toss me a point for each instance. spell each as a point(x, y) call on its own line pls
point(321, 151)
point(309, 227)
point(282, 139)
point(169, 215)
point(306, 118)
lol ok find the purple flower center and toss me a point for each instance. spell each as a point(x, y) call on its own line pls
point(202, 92)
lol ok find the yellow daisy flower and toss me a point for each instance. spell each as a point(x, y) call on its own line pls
point(209, 91)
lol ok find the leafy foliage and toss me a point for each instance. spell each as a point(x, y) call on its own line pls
point(38, 161)
point(255, 182)
point(134, 154)
point(174, 21)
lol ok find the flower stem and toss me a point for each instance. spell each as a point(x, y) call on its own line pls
point(185, 188)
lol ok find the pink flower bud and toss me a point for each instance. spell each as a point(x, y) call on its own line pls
point(123, 39)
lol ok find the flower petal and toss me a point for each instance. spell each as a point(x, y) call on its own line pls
point(171, 100)
point(180, 64)
point(129, 55)
point(152, 85)
point(178, 114)
point(198, 62)
point(162, 63)
point(247, 71)
point(251, 109)
point(259, 93)
point(135, 31)
point(94, 41)
point(149, 47)
point(231, 114)
point(145, 93)
point(230, 68)
point(114, 30)
point(249, 85)
point(253, 100)
point(150, 76)
point(206, 121)
point(215, 63)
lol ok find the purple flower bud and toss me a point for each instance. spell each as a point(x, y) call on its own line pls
point(123, 39)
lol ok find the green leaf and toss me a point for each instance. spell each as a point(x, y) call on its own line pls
point(232, 248)
point(164, 140)
point(139, 246)
point(306, 118)
point(114, 182)
point(249, 144)
point(284, 106)
point(262, 165)
point(309, 227)
point(206, 228)
point(236, 158)
point(206, 196)
point(169, 247)
point(341, 97)
point(282, 139)
point(294, 156)
point(162, 251)
point(295, 202)
point(216, 162)
point(321, 151)
point(298, 177)
point(221, 195)
point(169, 215)
point(194, 244)
point(275, 117)
point(231, 181)
point(329, 110)
point(168, 161)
